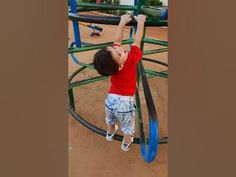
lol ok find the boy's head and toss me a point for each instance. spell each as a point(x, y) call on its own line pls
point(110, 60)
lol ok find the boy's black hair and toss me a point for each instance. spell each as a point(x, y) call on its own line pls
point(104, 63)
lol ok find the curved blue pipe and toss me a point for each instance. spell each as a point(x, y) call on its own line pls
point(72, 54)
point(149, 151)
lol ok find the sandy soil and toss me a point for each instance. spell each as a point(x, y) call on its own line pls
point(90, 154)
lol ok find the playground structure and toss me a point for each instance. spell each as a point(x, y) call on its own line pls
point(96, 29)
point(157, 16)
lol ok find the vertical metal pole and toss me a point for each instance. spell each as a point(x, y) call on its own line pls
point(136, 10)
point(71, 98)
point(73, 7)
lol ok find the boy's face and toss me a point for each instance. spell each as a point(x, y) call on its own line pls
point(119, 54)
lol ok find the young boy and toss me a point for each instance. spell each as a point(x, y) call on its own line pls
point(116, 62)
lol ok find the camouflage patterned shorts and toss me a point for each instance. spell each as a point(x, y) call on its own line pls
point(122, 109)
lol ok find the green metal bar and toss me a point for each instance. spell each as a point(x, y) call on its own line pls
point(141, 48)
point(155, 73)
point(71, 98)
point(86, 9)
point(154, 41)
point(75, 73)
point(150, 76)
point(140, 4)
point(125, 41)
point(86, 65)
point(138, 104)
point(86, 81)
point(166, 71)
point(154, 12)
point(148, 52)
point(139, 115)
point(155, 61)
point(70, 91)
point(107, 7)
point(94, 47)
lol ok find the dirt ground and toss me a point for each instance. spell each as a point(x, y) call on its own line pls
point(90, 154)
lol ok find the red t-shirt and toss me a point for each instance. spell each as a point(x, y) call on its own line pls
point(124, 81)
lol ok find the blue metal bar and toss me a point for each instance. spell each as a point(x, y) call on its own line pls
point(73, 6)
point(136, 10)
point(149, 151)
point(72, 54)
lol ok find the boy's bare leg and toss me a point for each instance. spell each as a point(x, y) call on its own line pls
point(127, 139)
point(111, 128)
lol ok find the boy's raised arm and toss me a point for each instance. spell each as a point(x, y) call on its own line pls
point(120, 30)
point(140, 27)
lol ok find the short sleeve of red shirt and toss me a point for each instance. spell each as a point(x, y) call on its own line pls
point(135, 53)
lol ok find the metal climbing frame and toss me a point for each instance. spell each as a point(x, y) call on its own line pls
point(148, 146)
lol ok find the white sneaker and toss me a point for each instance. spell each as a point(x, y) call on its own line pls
point(126, 147)
point(110, 136)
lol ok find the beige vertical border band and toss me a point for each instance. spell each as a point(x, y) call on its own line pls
point(202, 88)
point(33, 96)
